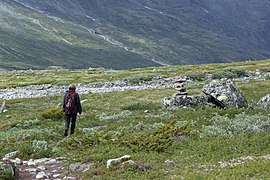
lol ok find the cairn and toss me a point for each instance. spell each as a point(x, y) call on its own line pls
point(219, 93)
point(180, 98)
point(179, 85)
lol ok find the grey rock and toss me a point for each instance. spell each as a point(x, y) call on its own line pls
point(41, 168)
point(75, 167)
point(9, 155)
point(264, 102)
point(225, 93)
point(42, 175)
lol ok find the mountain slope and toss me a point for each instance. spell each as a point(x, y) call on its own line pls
point(30, 39)
point(128, 34)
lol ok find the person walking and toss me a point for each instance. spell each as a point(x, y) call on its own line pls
point(71, 107)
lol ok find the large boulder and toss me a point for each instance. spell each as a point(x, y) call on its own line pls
point(224, 93)
point(264, 102)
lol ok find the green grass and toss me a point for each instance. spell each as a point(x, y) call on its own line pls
point(164, 144)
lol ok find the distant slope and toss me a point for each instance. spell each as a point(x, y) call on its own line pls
point(132, 33)
point(33, 40)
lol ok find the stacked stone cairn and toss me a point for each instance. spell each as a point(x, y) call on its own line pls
point(181, 98)
point(220, 93)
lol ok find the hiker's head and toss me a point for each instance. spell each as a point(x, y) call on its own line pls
point(71, 87)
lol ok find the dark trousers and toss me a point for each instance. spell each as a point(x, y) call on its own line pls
point(73, 122)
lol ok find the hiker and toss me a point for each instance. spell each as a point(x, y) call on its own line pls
point(71, 106)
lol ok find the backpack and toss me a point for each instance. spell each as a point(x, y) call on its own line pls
point(70, 102)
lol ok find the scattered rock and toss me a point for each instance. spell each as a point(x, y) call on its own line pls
point(17, 161)
point(242, 160)
point(44, 168)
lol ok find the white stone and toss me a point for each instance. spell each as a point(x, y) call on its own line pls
point(31, 162)
point(56, 175)
point(41, 168)
point(40, 161)
point(25, 162)
point(41, 175)
point(110, 162)
point(32, 170)
point(71, 178)
point(18, 161)
point(52, 161)
point(60, 158)
point(168, 161)
point(9, 155)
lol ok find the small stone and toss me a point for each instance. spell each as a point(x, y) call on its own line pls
point(32, 170)
point(31, 163)
point(41, 175)
point(41, 168)
point(42, 160)
point(60, 158)
point(25, 162)
point(56, 175)
point(168, 161)
point(52, 161)
point(18, 161)
point(75, 167)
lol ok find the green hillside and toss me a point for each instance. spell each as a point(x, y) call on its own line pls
point(132, 33)
point(164, 144)
point(33, 40)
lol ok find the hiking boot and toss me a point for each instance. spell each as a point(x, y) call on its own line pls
point(66, 132)
point(71, 132)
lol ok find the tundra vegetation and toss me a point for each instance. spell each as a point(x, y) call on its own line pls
point(200, 142)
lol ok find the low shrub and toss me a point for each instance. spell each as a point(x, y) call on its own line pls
point(123, 114)
point(230, 73)
point(28, 123)
point(35, 149)
point(159, 139)
point(226, 127)
point(197, 77)
point(139, 78)
point(54, 114)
